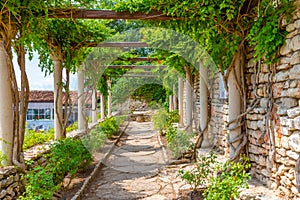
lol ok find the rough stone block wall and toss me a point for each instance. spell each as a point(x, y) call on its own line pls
point(219, 116)
point(277, 115)
point(9, 183)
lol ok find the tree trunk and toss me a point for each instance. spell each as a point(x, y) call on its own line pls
point(180, 101)
point(81, 110)
point(6, 110)
point(109, 99)
point(204, 105)
point(58, 112)
point(189, 103)
point(102, 99)
point(234, 100)
point(94, 105)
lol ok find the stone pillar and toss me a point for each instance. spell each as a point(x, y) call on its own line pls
point(204, 105)
point(6, 116)
point(58, 112)
point(234, 105)
point(81, 109)
point(175, 104)
point(102, 108)
point(109, 99)
point(94, 105)
point(170, 103)
point(189, 103)
point(180, 101)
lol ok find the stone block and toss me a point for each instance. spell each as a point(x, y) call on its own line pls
point(281, 152)
point(290, 27)
point(292, 154)
point(296, 123)
point(292, 34)
point(284, 60)
point(285, 143)
point(294, 92)
point(295, 72)
point(289, 102)
point(284, 66)
point(282, 76)
point(262, 161)
point(295, 58)
point(285, 181)
point(294, 112)
point(294, 83)
point(286, 48)
point(294, 141)
point(295, 43)
point(277, 89)
point(266, 173)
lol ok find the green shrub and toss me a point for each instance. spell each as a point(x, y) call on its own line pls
point(109, 126)
point(72, 127)
point(94, 140)
point(33, 138)
point(180, 143)
point(66, 156)
point(227, 183)
point(163, 119)
point(171, 134)
point(202, 171)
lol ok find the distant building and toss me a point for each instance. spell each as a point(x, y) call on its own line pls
point(40, 113)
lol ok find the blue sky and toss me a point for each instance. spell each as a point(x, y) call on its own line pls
point(37, 79)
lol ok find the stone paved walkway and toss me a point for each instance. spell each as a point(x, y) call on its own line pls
point(136, 169)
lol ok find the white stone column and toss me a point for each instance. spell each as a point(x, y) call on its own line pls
point(81, 109)
point(189, 103)
point(175, 104)
point(6, 116)
point(94, 105)
point(204, 105)
point(109, 99)
point(170, 103)
point(58, 105)
point(102, 108)
point(180, 101)
point(234, 105)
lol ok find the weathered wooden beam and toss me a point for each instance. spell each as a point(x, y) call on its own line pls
point(109, 14)
point(122, 44)
point(139, 59)
point(136, 66)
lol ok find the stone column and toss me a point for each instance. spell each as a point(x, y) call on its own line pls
point(180, 101)
point(81, 109)
point(94, 105)
point(189, 103)
point(6, 116)
point(109, 99)
point(175, 104)
point(170, 103)
point(102, 107)
point(204, 105)
point(58, 112)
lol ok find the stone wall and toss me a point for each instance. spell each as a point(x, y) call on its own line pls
point(9, 183)
point(277, 115)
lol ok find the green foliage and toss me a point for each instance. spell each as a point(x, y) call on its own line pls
point(162, 119)
point(265, 35)
point(171, 134)
point(101, 132)
point(66, 156)
point(72, 127)
point(231, 177)
point(2, 158)
point(149, 93)
point(180, 143)
point(33, 138)
point(202, 171)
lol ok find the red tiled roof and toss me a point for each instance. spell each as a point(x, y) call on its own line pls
point(48, 96)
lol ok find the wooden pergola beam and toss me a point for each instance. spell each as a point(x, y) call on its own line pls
point(136, 66)
point(120, 44)
point(109, 14)
point(139, 59)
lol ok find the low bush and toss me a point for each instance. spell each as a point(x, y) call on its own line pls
point(66, 156)
point(109, 127)
point(33, 138)
point(72, 127)
point(219, 180)
point(180, 142)
point(163, 119)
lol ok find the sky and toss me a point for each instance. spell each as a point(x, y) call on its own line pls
point(37, 78)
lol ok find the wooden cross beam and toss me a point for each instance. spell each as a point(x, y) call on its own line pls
point(136, 66)
point(109, 14)
point(120, 44)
